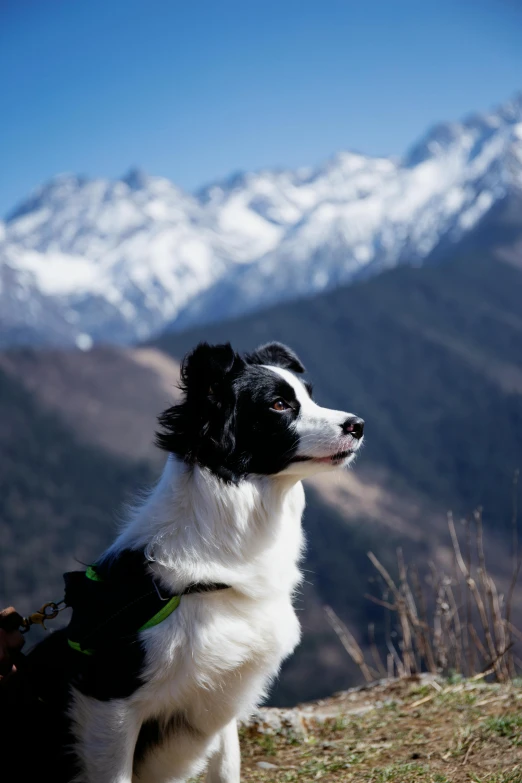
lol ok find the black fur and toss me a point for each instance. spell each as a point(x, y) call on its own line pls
point(226, 421)
point(276, 354)
point(201, 429)
point(34, 702)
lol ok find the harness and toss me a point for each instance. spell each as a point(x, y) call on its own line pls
point(114, 600)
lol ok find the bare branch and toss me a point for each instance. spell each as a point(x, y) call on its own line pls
point(349, 642)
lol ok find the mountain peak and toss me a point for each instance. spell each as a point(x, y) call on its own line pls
point(62, 184)
point(474, 128)
point(136, 178)
point(511, 110)
point(435, 143)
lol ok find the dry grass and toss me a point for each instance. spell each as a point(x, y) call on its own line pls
point(441, 622)
point(409, 730)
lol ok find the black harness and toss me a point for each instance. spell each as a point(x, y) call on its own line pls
point(117, 598)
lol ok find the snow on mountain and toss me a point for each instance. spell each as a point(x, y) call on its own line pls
point(85, 260)
point(367, 214)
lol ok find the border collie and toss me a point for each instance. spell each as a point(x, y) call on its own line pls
point(225, 517)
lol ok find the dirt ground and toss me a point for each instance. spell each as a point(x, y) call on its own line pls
point(426, 730)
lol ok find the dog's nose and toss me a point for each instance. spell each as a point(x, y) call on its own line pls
point(353, 426)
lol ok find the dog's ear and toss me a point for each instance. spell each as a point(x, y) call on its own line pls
point(276, 354)
point(206, 372)
point(201, 428)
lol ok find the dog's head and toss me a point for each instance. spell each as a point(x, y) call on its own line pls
point(252, 414)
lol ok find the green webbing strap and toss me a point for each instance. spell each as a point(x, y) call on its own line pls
point(77, 647)
point(158, 618)
point(91, 573)
point(162, 614)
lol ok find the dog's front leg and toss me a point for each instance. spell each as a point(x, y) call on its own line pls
point(224, 764)
point(106, 734)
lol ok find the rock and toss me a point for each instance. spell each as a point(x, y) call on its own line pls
point(271, 720)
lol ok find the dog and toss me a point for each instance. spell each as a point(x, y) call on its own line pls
point(220, 536)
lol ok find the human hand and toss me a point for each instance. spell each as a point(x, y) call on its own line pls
point(11, 640)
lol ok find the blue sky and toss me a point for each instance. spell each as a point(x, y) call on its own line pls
point(194, 90)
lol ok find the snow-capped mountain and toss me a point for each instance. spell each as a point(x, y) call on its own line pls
point(85, 260)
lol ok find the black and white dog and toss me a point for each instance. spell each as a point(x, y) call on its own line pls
point(225, 515)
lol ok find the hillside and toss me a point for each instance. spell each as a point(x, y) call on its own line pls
point(427, 730)
point(109, 396)
point(59, 498)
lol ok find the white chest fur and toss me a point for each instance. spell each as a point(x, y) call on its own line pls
point(213, 658)
point(225, 644)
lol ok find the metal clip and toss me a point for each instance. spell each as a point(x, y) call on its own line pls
point(48, 611)
point(168, 597)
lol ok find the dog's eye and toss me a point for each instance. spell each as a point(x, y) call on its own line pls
point(280, 405)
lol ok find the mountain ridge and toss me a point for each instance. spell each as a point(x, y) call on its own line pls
point(98, 260)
